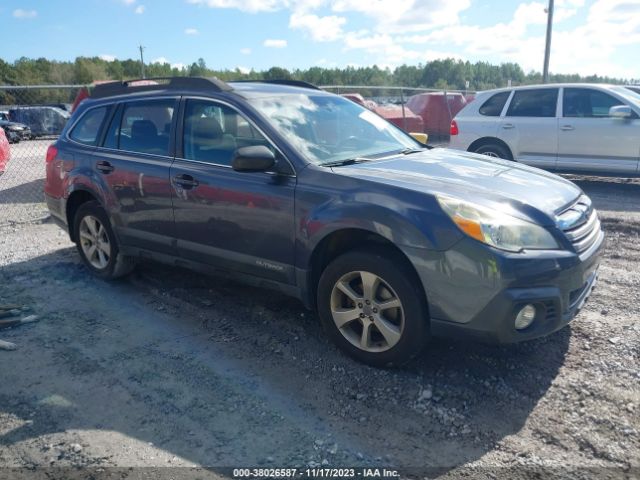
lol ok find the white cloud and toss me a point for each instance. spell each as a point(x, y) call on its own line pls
point(274, 43)
point(243, 70)
point(394, 16)
point(128, 2)
point(160, 60)
point(140, 9)
point(179, 66)
point(251, 6)
point(107, 58)
point(419, 30)
point(191, 31)
point(321, 29)
point(24, 14)
point(245, 51)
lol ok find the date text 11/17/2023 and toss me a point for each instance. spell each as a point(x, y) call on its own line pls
point(312, 473)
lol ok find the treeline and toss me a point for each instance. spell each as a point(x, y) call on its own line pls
point(447, 73)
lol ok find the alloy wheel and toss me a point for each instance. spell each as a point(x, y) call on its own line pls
point(95, 242)
point(367, 311)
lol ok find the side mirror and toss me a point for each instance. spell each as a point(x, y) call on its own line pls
point(257, 158)
point(423, 138)
point(620, 111)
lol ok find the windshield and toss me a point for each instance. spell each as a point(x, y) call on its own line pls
point(327, 129)
point(628, 94)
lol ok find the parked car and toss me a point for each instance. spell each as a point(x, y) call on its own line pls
point(42, 120)
point(290, 187)
point(5, 151)
point(400, 117)
point(15, 131)
point(581, 128)
point(436, 110)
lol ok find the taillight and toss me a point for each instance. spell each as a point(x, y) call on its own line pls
point(52, 153)
point(454, 128)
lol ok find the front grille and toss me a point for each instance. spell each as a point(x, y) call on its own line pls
point(580, 224)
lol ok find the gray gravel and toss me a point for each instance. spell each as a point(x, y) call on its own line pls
point(171, 369)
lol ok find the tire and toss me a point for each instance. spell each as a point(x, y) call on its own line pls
point(494, 150)
point(92, 229)
point(341, 298)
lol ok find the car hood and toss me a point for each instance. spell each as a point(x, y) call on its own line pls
point(517, 189)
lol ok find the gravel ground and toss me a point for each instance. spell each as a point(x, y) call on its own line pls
point(169, 368)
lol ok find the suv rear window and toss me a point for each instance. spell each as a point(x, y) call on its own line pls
point(142, 127)
point(534, 103)
point(493, 107)
point(88, 127)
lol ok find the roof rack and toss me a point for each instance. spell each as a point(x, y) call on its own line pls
point(149, 84)
point(291, 83)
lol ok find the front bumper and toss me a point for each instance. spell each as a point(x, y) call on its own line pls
point(482, 290)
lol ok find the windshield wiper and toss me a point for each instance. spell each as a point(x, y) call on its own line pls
point(410, 150)
point(348, 161)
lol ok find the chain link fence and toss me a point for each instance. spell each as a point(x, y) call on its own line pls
point(31, 117)
point(419, 110)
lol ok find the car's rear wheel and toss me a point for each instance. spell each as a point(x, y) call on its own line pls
point(371, 305)
point(494, 150)
point(97, 244)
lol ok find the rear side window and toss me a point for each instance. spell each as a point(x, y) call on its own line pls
point(534, 103)
point(142, 127)
point(493, 107)
point(87, 129)
point(587, 103)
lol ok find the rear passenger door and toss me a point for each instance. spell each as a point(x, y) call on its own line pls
point(592, 141)
point(530, 126)
point(133, 163)
point(238, 221)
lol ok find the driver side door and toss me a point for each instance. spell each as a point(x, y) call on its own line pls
point(237, 221)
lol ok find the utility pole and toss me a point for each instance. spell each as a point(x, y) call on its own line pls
point(141, 61)
point(547, 48)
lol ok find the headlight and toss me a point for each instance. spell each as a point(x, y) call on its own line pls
point(496, 228)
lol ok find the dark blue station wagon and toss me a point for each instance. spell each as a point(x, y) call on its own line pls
point(285, 186)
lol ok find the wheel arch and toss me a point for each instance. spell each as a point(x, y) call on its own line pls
point(489, 141)
point(76, 198)
point(342, 241)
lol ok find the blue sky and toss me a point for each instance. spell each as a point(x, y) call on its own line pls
point(590, 36)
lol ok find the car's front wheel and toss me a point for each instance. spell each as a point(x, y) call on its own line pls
point(494, 150)
point(97, 244)
point(371, 305)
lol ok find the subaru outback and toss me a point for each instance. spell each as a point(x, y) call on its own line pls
point(285, 186)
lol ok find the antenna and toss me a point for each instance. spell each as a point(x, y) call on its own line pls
point(141, 61)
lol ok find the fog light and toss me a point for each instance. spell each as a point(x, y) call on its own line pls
point(525, 317)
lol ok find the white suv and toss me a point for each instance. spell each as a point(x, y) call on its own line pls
point(581, 128)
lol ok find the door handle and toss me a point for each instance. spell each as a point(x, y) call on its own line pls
point(185, 181)
point(105, 167)
point(567, 128)
point(508, 126)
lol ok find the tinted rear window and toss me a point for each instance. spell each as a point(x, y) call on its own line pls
point(88, 127)
point(142, 127)
point(493, 107)
point(534, 103)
